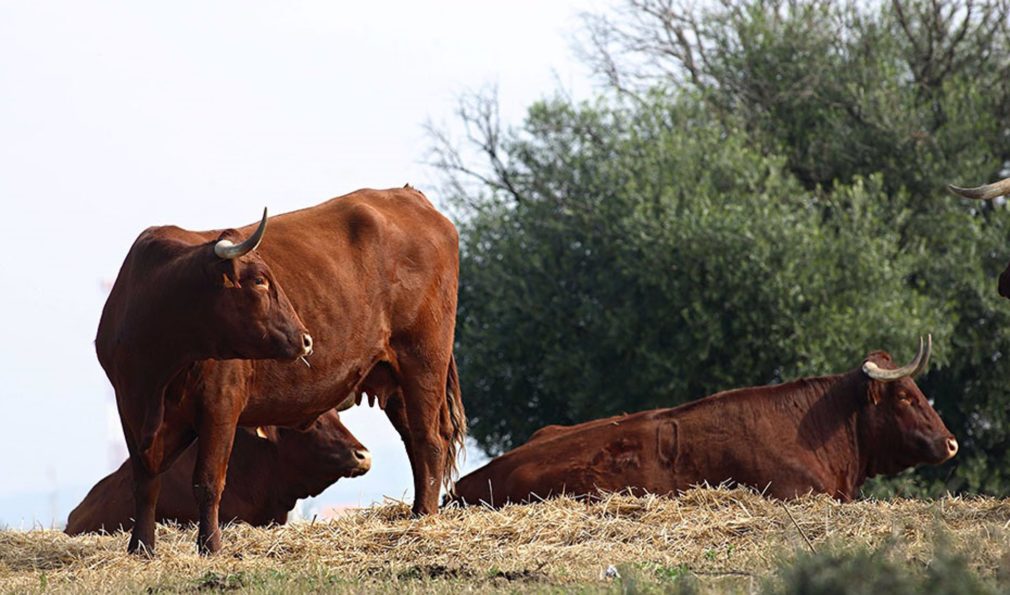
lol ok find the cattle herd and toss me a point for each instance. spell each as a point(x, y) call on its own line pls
point(230, 406)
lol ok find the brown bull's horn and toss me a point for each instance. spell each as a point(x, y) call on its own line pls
point(226, 250)
point(916, 367)
point(987, 192)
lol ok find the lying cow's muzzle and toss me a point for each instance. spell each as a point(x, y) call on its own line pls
point(363, 460)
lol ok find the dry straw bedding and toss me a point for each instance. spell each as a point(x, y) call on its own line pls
point(713, 532)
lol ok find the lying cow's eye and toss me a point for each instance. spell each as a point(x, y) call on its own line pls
point(260, 281)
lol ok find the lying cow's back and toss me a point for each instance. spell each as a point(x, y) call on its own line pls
point(109, 506)
point(270, 469)
point(630, 452)
point(660, 451)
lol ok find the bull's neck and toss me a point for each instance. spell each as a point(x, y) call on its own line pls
point(850, 396)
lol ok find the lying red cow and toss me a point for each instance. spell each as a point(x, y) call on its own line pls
point(270, 469)
point(825, 435)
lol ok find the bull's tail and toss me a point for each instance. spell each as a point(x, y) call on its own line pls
point(457, 419)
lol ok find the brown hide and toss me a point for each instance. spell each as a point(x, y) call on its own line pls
point(822, 435)
point(372, 276)
point(266, 476)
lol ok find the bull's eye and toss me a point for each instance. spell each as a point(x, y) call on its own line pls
point(260, 281)
point(904, 397)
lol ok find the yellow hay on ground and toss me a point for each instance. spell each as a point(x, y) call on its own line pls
point(712, 532)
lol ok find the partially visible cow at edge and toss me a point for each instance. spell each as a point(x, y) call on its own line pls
point(269, 471)
point(824, 435)
point(204, 331)
point(989, 192)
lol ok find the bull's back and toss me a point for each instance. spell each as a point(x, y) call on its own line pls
point(361, 270)
point(386, 244)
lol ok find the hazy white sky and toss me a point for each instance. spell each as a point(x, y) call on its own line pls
point(119, 115)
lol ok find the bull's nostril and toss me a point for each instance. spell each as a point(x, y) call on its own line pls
point(951, 446)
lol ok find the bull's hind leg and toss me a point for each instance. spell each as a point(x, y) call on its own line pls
point(422, 419)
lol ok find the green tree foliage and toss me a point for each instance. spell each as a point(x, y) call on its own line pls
point(760, 195)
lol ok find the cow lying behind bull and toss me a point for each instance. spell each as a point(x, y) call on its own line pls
point(824, 435)
point(270, 469)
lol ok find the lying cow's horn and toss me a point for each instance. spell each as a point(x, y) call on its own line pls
point(226, 250)
point(987, 192)
point(917, 365)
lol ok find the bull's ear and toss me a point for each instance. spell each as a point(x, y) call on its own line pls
point(873, 392)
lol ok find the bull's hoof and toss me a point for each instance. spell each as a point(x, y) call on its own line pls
point(209, 547)
point(420, 511)
point(140, 549)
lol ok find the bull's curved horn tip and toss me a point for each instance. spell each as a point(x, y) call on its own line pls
point(984, 192)
point(875, 372)
point(225, 249)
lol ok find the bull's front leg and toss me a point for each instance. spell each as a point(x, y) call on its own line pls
point(220, 397)
point(146, 486)
point(217, 435)
point(153, 446)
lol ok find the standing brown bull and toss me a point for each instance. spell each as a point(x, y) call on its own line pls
point(825, 434)
point(196, 331)
point(989, 192)
point(269, 471)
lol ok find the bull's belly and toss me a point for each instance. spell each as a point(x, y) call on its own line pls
point(294, 394)
point(295, 405)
